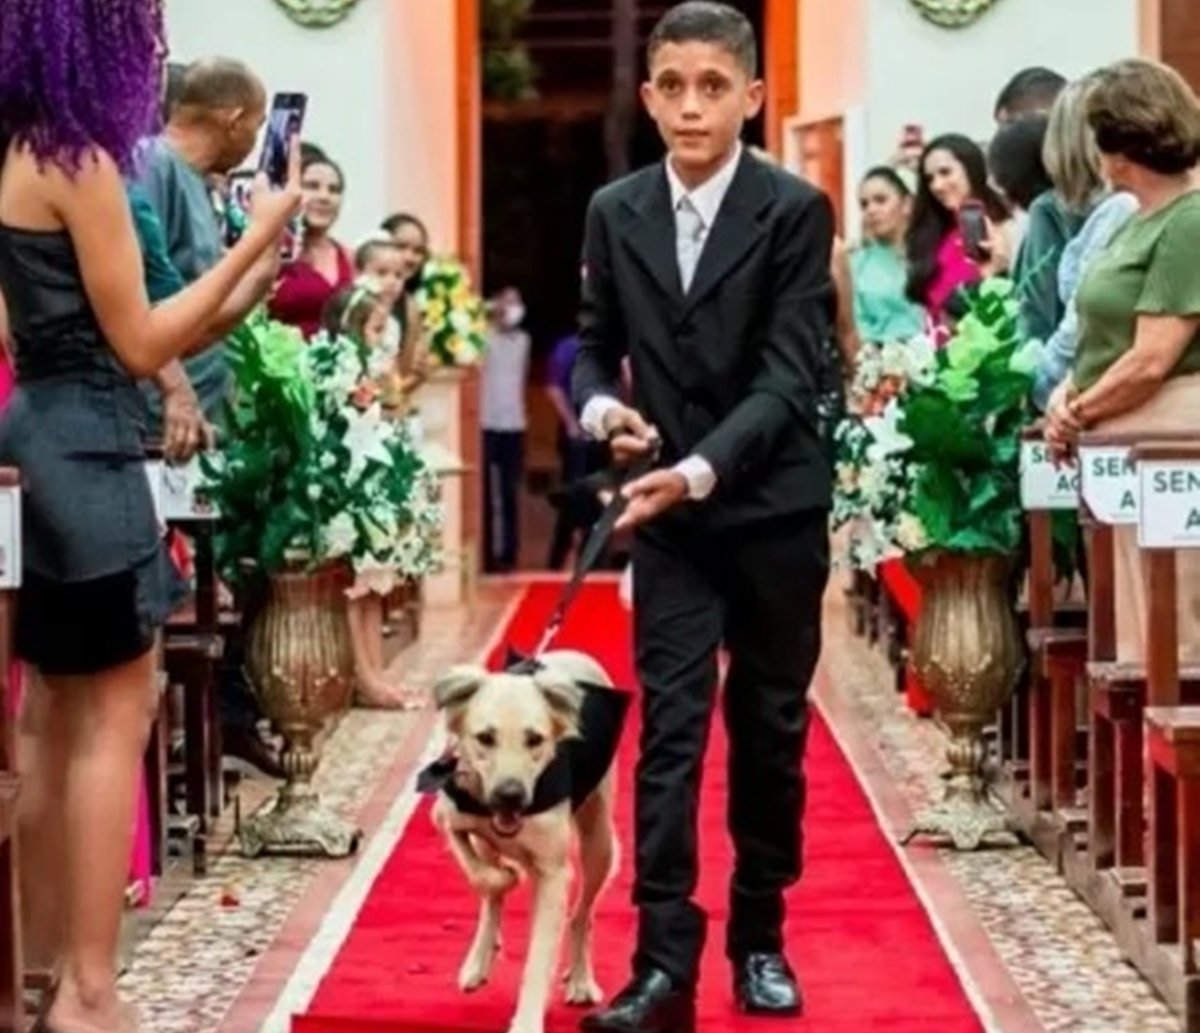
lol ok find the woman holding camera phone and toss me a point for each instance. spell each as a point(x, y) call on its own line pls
point(959, 230)
point(94, 593)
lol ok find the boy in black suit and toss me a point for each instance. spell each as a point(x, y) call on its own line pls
point(711, 272)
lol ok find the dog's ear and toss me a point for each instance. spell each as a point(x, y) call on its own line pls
point(565, 699)
point(455, 689)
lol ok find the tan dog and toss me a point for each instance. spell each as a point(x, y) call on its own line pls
point(507, 729)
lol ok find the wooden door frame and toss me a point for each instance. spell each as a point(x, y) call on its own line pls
point(781, 67)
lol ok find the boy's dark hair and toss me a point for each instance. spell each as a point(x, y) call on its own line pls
point(1030, 91)
point(1015, 160)
point(706, 21)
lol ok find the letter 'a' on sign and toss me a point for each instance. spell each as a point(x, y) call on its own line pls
point(10, 538)
point(1109, 484)
point(1169, 516)
point(1045, 484)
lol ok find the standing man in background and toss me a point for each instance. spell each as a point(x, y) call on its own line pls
point(505, 375)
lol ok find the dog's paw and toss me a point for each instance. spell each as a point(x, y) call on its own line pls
point(474, 973)
point(581, 989)
point(493, 880)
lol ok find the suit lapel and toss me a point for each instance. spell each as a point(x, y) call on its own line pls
point(737, 230)
point(651, 236)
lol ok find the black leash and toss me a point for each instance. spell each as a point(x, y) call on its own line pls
point(593, 546)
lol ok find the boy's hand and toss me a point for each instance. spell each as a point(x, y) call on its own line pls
point(650, 496)
point(629, 436)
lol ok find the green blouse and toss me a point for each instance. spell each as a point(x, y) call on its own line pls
point(1149, 268)
point(882, 310)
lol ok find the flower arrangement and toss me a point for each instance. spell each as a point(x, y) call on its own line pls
point(309, 465)
point(929, 456)
point(454, 315)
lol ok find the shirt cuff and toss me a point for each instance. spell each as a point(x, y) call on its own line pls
point(592, 417)
point(700, 476)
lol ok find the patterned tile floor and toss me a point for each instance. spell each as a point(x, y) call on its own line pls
point(187, 970)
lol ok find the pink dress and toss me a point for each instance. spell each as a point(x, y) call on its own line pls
point(954, 270)
point(302, 292)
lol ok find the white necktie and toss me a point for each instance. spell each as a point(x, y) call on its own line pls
point(689, 240)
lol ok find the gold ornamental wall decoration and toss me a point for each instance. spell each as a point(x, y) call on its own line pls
point(317, 14)
point(953, 14)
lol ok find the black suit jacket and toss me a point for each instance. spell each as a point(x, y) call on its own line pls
point(730, 371)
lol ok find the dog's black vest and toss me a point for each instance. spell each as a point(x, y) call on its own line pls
point(578, 767)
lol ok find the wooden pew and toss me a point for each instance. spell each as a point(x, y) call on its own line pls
point(193, 646)
point(1156, 932)
point(12, 968)
point(1039, 741)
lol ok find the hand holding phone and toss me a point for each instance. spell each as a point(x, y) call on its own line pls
point(973, 225)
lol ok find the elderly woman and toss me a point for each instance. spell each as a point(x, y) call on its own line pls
point(1137, 367)
point(94, 594)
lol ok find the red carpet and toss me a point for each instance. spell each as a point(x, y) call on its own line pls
point(859, 936)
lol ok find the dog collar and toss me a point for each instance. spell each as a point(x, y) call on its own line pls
point(578, 767)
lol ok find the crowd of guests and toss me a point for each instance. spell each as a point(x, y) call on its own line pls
point(1091, 204)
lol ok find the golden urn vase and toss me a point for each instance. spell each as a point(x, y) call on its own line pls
point(966, 650)
point(299, 659)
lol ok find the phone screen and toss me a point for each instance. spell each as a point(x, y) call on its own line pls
point(285, 122)
point(972, 223)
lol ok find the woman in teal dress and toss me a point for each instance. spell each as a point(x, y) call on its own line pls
point(878, 269)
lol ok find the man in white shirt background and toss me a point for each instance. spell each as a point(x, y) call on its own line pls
point(504, 421)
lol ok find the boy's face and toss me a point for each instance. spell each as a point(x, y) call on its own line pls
point(700, 96)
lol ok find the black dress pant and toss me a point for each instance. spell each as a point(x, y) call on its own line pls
point(579, 507)
point(503, 468)
point(758, 590)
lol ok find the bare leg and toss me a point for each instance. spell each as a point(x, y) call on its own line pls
point(110, 716)
point(365, 615)
point(42, 752)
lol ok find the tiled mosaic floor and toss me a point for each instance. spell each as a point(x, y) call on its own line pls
point(191, 967)
point(1060, 956)
point(187, 972)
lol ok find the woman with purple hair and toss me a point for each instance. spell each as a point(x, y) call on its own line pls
point(80, 84)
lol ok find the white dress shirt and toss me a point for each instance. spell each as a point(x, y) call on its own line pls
point(695, 212)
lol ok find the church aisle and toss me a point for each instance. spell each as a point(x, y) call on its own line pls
point(1034, 951)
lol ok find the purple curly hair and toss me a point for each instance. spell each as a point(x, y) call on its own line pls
point(80, 74)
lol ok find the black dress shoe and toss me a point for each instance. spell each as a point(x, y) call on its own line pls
point(764, 984)
point(247, 745)
point(650, 1004)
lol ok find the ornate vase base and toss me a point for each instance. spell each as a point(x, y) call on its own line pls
point(298, 827)
point(967, 823)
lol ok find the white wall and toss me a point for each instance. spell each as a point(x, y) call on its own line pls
point(947, 80)
point(377, 102)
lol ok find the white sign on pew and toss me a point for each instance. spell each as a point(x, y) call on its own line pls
point(178, 491)
point(1044, 484)
point(1109, 484)
point(10, 538)
point(1170, 504)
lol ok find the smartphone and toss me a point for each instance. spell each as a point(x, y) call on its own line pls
point(972, 224)
point(912, 135)
point(284, 124)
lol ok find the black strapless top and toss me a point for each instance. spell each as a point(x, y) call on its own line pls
point(74, 426)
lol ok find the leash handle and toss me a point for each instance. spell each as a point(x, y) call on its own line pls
point(593, 546)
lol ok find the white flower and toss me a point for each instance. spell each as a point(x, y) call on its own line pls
point(367, 438)
point(910, 533)
point(873, 483)
point(341, 536)
point(314, 491)
point(885, 430)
